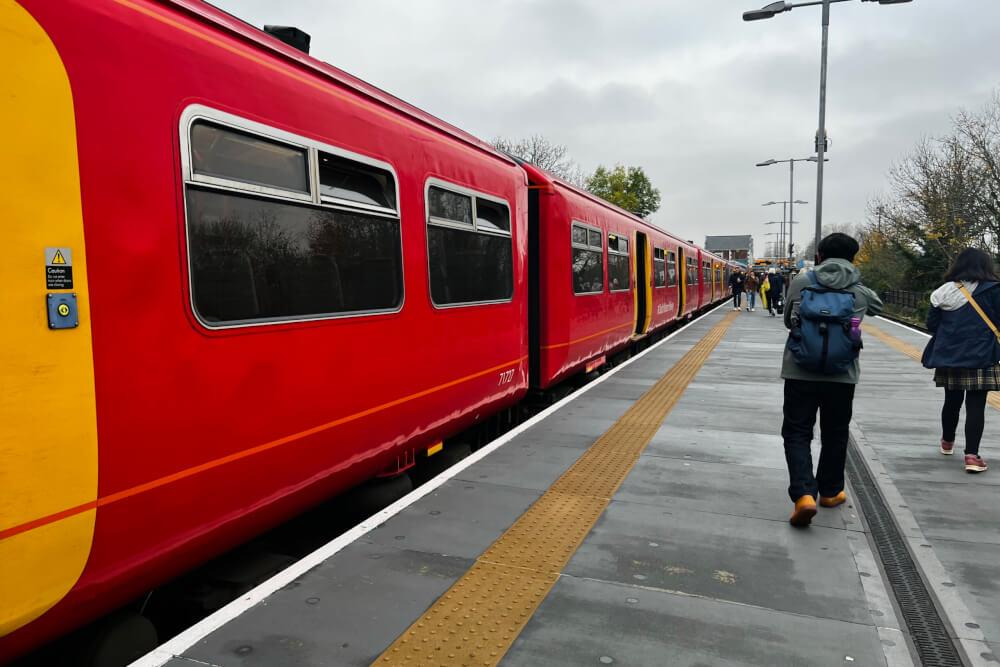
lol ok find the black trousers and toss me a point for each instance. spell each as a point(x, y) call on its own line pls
point(834, 401)
point(975, 417)
point(737, 295)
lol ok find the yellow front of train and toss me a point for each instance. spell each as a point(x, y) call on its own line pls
point(48, 424)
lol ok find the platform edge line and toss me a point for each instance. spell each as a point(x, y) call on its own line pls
point(900, 324)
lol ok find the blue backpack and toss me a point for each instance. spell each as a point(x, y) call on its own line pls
point(822, 340)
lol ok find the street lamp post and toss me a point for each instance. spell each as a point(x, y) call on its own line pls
point(786, 219)
point(772, 10)
point(791, 185)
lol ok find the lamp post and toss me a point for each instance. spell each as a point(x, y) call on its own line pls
point(772, 10)
point(791, 185)
point(783, 217)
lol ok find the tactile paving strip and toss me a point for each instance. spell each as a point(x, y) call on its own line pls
point(916, 354)
point(476, 620)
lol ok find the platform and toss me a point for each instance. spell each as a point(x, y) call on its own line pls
point(531, 553)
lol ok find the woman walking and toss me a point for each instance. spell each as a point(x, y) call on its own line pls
point(965, 348)
point(751, 285)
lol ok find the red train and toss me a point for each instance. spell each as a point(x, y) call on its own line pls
point(265, 282)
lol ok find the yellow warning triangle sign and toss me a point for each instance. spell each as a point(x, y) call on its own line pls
point(58, 259)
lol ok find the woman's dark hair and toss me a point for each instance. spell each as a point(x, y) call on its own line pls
point(974, 265)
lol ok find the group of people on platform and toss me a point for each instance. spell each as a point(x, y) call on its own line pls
point(820, 368)
point(770, 285)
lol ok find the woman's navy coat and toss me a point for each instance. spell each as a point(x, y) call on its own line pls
point(961, 338)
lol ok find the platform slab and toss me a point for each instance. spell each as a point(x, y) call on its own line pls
point(586, 622)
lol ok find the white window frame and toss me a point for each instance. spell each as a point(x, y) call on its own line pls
point(591, 248)
point(196, 112)
point(471, 229)
point(620, 237)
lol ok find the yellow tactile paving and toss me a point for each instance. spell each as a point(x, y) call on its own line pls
point(915, 353)
point(476, 620)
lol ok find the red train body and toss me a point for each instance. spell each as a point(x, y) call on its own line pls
point(252, 340)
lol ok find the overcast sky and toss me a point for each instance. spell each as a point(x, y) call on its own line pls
point(685, 89)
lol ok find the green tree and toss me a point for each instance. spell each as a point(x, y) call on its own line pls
point(627, 187)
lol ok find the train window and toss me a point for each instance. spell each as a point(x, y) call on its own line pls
point(265, 246)
point(659, 268)
point(469, 247)
point(619, 275)
point(255, 259)
point(449, 206)
point(706, 272)
point(692, 271)
point(340, 178)
point(490, 215)
point(229, 154)
point(588, 260)
point(671, 268)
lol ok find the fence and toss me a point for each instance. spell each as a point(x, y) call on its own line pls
point(903, 298)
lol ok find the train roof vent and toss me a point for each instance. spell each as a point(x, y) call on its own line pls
point(289, 35)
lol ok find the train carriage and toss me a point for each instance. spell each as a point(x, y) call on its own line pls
point(283, 282)
point(604, 278)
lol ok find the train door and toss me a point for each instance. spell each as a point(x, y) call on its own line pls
point(642, 294)
point(681, 280)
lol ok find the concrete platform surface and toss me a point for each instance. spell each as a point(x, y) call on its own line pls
point(693, 562)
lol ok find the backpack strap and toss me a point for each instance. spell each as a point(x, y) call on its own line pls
point(979, 310)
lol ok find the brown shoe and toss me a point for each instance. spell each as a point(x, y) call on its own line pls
point(833, 501)
point(974, 463)
point(805, 510)
point(947, 448)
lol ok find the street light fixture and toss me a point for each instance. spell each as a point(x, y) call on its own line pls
point(783, 218)
point(791, 186)
point(772, 10)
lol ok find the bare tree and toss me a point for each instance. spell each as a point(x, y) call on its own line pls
point(542, 153)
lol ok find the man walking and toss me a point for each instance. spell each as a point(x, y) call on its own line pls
point(777, 282)
point(736, 284)
point(815, 378)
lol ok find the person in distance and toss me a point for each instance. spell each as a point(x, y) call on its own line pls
point(965, 348)
point(752, 284)
point(777, 282)
point(823, 313)
point(736, 284)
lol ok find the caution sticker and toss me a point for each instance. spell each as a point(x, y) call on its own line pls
point(58, 268)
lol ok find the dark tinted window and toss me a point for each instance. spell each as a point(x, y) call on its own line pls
point(355, 182)
point(618, 272)
point(692, 272)
point(706, 272)
point(588, 271)
point(588, 260)
point(225, 153)
point(449, 205)
point(491, 216)
point(659, 268)
point(466, 266)
point(671, 269)
point(254, 259)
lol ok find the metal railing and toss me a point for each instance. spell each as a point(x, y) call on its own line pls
point(903, 298)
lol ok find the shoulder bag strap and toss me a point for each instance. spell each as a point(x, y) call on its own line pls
point(979, 310)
